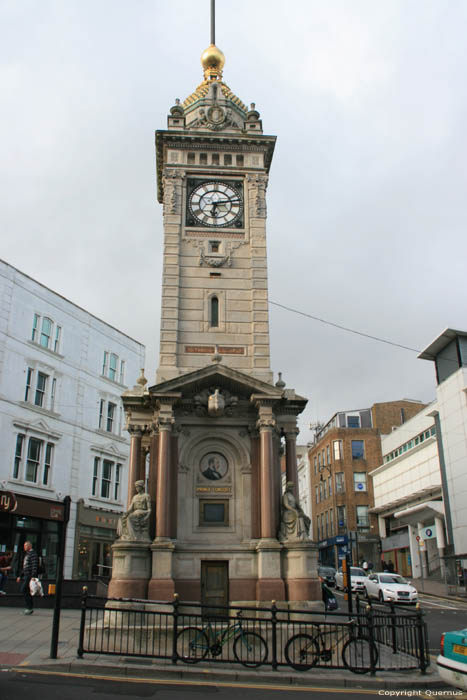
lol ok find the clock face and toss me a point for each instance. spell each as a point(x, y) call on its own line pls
point(215, 204)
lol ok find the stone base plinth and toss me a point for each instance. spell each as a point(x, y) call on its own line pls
point(300, 571)
point(162, 586)
point(270, 585)
point(131, 569)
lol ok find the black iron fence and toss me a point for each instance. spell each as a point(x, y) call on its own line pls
point(369, 640)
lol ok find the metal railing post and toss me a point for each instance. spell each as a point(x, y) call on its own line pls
point(393, 627)
point(274, 634)
point(371, 637)
point(84, 601)
point(175, 605)
point(422, 632)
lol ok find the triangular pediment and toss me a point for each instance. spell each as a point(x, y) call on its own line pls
point(220, 375)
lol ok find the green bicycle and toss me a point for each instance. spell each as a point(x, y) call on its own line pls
point(194, 644)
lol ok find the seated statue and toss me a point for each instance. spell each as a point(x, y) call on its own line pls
point(134, 524)
point(295, 525)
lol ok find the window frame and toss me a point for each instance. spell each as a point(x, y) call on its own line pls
point(358, 456)
point(38, 464)
point(203, 502)
point(356, 481)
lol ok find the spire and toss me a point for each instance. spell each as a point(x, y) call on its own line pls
point(212, 58)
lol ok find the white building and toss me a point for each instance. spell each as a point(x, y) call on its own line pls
point(449, 353)
point(421, 487)
point(304, 484)
point(62, 372)
point(408, 497)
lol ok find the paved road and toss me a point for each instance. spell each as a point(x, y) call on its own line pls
point(29, 686)
point(440, 616)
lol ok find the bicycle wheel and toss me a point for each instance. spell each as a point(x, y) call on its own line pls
point(356, 654)
point(192, 645)
point(301, 652)
point(250, 649)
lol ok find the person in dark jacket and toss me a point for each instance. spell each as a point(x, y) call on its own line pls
point(30, 568)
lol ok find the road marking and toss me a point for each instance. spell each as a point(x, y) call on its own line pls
point(219, 684)
point(438, 605)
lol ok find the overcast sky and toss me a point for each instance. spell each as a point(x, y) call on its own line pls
point(367, 199)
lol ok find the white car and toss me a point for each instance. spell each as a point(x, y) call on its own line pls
point(357, 579)
point(390, 587)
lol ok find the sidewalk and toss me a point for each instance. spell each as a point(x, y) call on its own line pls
point(440, 589)
point(25, 645)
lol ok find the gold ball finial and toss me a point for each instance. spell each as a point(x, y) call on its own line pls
point(212, 60)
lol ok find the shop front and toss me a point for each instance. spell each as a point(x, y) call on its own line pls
point(333, 550)
point(96, 531)
point(36, 520)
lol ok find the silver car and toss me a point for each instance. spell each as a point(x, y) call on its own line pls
point(357, 580)
point(390, 587)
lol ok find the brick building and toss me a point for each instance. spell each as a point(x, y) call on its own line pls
point(345, 450)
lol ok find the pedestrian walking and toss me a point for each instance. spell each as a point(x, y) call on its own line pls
point(30, 567)
point(5, 567)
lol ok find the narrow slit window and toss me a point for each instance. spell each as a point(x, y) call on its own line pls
point(214, 312)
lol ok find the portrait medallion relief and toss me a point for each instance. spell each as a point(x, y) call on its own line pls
point(213, 466)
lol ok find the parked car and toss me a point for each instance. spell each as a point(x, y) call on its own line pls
point(390, 587)
point(452, 660)
point(358, 578)
point(328, 574)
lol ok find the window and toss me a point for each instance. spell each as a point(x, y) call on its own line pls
point(331, 521)
point(45, 389)
point(227, 159)
point(327, 523)
point(101, 413)
point(337, 448)
point(215, 159)
point(317, 494)
point(46, 333)
point(239, 160)
point(213, 512)
point(359, 481)
point(214, 312)
point(363, 520)
point(110, 417)
point(38, 463)
point(324, 490)
point(315, 460)
point(358, 449)
point(40, 389)
point(341, 519)
point(18, 454)
point(28, 383)
point(113, 367)
point(323, 455)
point(340, 482)
point(203, 158)
point(106, 478)
point(319, 461)
point(191, 158)
point(330, 486)
point(328, 454)
point(214, 246)
point(353, 421)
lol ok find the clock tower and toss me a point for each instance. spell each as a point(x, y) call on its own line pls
point(210, 437)
point(212, 172)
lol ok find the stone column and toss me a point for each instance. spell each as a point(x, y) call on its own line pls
point(161, 585)
point(423, 552)
point(163, 490)
point(270, 585)
point(291, 458)
point(135, 460)
point(414, 552)
point(268, 529)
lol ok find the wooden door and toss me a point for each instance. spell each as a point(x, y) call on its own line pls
point(214, 587)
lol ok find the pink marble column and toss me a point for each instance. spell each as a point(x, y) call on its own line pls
point(266, 479)
point(163, 490)
point(291, 458)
